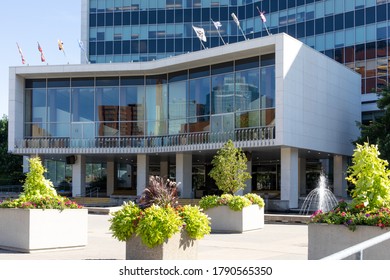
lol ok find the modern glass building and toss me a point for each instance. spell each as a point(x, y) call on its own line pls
point(291, 109)
point(154, 101)
point(352, 32)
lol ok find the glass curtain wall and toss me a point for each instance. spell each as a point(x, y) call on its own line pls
point(217, 98)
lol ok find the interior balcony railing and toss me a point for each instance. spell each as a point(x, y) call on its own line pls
point(244, 138)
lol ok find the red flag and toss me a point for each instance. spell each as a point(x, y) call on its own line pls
point(42, 55)
point(21, 54)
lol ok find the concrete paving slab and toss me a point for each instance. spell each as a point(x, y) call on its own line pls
point(274, 242)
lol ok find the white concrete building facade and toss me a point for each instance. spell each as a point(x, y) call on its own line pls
point(286, 105)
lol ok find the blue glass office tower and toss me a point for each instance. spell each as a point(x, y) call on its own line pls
point(353, 32)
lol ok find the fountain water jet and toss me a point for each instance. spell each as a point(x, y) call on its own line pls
point(321, 198)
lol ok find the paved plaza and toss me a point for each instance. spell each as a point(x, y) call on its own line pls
point(275, 242)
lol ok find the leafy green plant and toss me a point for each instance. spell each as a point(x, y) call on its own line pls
point(229, 169)
point(124, 221)
point(38, 192)
point(196, 223)
point(157, 224)
point(370, 176)
point(255, 199)
point(234, 202)
point(158, 217)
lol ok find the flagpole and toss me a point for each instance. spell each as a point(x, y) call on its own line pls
point(236, 20)
point(202, 44)
point(263, 21)
point(242, 32)
point(220, 36)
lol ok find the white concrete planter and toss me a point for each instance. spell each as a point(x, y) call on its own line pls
point(179, 247)
point(223, 219)
point(28, 230)
point(325, 240)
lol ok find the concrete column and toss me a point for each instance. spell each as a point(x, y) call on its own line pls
point(78, 176)
point(164, 169)
point(248, 183)
point(26, 164)
point(339, 173)
point(289, 176)
point(110, 177)
point(184, 174)
point(142, 172)
point(302, 176)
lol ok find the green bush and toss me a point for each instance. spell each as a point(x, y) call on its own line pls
point(124, 221)
point(234, 202)
point(197, 224)
point(370, 177)
point(158, 217)
point(157, 224)
point(39, 192)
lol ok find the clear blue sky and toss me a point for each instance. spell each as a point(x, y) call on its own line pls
point(28, 22)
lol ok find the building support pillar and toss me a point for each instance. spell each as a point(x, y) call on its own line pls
point(164, 169)
point(110, 177)
point(184, 174)
point(302, 177)
point(78, 176)
point(142, 172)
point(289, 176)
point(339, 173)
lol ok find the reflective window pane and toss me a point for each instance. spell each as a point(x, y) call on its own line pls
point(222, 94)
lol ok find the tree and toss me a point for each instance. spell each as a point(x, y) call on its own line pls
point(229, 171)
point(11, 171)
point(378, 132)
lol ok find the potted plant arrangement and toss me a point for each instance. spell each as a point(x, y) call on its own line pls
point(158, 228)
point(40, 219)
point(230, 212)
point(366, 216)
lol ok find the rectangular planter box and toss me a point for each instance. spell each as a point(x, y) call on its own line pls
point(325, 240)
point(179, 247)
point(28, 230)
point(223, 219)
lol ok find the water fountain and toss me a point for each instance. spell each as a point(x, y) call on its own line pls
point(321, 198)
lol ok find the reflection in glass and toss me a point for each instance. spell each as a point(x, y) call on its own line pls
point(247, 90)
point(132, 106)
point(107, 104)
point(177, 100)
point(82, 104)
point(132, 128)
point(222, 96)
point(267, 87)
point(199, 99)
point(107, 128)
point(58, 105)
point(248, 119)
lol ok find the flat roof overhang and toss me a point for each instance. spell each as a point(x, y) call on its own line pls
point(244, 49)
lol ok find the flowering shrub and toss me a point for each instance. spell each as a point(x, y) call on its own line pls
point(351, 216)
point(38, 192)
point(235, 202)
